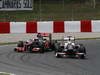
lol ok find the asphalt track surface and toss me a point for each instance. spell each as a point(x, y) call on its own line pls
point(48, 64)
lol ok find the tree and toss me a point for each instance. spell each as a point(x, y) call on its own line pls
point(94, 3)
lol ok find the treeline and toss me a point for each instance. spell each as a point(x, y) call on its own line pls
point(68, 1)
point(92, 3)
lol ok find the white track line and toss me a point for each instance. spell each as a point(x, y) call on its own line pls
point(7, 73)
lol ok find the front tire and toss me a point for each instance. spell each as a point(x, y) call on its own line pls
point(20, 44)
point(41, 51)
point(58, 56)
point(15, 49)
point(82, 56)
point(82, 49)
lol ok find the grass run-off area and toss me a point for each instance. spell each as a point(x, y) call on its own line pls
point(54, 12)
point(4, 74)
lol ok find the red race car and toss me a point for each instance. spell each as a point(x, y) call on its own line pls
point(29, 46)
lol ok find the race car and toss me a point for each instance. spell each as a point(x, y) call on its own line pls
point(46, 40)
point(40, 44)
point(29, 46)
point(69, 48)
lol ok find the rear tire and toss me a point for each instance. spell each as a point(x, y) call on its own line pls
point(58, 56)
point(41, 51)
point(82, 49)
point(82, 56)
point(15, 49)
point(20, 44)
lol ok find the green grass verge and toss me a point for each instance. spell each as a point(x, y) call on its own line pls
point(54, 11)
point(4, 74)
point(87, 38)
point(84, 39)
point(8, 43)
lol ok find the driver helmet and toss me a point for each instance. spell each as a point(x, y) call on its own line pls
point(69, 42)
point(33, 39)
point(73, 44)
point(27, 41)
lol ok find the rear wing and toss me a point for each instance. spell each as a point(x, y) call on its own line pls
point(47, 35)
point(69, 38)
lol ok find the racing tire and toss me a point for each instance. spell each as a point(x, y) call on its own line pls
point(42, 48)
point(41, 51)
point(58, 56)
point(82, 56)
point(82, 49)
point(15, 49)
point(20, 44)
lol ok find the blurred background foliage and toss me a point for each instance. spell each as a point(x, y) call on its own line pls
point(56, 10)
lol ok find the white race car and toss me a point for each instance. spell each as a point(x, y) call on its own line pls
point(68, 47)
